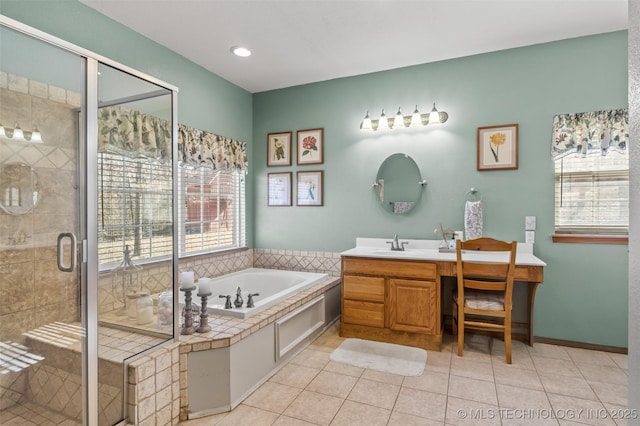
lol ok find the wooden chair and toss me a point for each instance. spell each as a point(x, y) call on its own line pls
point(483, 298)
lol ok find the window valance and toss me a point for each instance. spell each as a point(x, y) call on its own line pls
point(590, 132)
point(198, 148)
point(133, 133)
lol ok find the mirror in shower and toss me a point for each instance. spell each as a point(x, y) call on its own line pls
point(19, 190)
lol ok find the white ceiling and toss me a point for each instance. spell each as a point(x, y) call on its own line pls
point(304, 41)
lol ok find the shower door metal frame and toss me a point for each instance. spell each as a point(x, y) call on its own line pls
point(88, 223)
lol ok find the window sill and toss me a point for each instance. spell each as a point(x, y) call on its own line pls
point(590, 239)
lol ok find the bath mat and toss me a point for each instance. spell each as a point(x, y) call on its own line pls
point(387, 357)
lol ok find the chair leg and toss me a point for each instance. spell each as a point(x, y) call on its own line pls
point(460, 339)
point(507, 342)
point(454, 320)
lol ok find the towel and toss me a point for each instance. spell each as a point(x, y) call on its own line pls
point(473, 219)
point(400, 207)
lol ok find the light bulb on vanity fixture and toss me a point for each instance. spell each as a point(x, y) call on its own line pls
point(19, 135)
point(399, 121)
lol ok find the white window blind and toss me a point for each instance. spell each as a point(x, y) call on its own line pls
point(212, 209)
point(134, 208)
point(592, 194)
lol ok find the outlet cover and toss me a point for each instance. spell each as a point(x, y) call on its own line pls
point(529, 237)
point(530, 223)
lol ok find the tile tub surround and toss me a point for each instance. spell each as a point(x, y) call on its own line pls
point(227, 331)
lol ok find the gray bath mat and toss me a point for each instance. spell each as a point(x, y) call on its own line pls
point(387, 357)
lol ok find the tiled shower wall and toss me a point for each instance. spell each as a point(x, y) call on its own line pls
point(33, 292)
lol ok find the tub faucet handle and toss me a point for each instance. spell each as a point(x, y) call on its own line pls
point(227, 304)
point(250, 300)
point(238, 302)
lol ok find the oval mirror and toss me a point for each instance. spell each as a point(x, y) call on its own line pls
point(399, 184)
point(18, 188)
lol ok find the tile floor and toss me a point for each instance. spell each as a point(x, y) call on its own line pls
point(545, 385)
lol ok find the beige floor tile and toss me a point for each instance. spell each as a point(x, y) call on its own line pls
point(611, 393)
point(420, 403)
point(463, 366)
point(377, 394)
point(314, 407)
point(580, 410)
point(438, 361)
point(273, 397)
point(476, 347)
point(584, 356)
point(570, 386)
point(621, 414)
point(381, 376)
point(473, 390)
point(621, 360)
point(243, 415)
point(430, 381)
point(290, 421)
point(295, 375)
point(354, 413)
point(598, 373)
point(555, 366)
point(544, 350)
point(515, 376)
point(340, 368)
point(465, 412)
point(528, 417)
point(403, 419)
point(511, 397)
point(311, 358)
point(332, 384)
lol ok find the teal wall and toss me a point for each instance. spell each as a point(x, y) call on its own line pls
point(584, 294)
point(205, 101)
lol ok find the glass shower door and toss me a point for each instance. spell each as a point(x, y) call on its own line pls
point(41, 170)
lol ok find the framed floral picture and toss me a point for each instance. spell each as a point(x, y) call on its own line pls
point(309, 191)
point(279, 189)
point(310, 146)
point(279, 149)
point(498, 147)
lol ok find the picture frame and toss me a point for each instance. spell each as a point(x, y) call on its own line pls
point(310, 188)
point(279, 189)
point(498, 147)
point(279, 149)
point(310, 146)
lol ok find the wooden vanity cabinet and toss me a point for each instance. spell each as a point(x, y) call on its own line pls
point(391, 300)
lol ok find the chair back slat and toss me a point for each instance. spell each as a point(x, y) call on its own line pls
point(500, 286)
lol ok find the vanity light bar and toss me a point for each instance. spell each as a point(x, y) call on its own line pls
point(18, 134)
point(416, 119)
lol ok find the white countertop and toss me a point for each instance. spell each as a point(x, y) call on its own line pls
point(428, 250)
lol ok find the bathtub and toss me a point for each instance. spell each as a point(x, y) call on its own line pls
point(273, 286)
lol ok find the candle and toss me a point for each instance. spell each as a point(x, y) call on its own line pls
point(204, 286)
point(186, 280)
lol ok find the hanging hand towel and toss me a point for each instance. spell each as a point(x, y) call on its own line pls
point(473, 219)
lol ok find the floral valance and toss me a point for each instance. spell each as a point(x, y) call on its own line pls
point(590, 132)
point(198, 148)
point(133, 133)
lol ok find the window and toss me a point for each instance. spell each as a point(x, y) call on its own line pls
point(134, 208)
point(212, 209)
point(592, 194)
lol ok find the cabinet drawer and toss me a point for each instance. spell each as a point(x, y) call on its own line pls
point(363, 288)
point(363, 313)
point(390, 268)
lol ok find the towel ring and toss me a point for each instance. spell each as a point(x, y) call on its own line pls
point(473, 195)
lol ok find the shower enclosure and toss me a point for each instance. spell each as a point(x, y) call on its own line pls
point(87, 150)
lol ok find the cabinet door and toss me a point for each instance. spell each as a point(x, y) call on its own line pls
point(413, 306)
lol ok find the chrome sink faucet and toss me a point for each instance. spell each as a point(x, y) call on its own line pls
point(397, 245)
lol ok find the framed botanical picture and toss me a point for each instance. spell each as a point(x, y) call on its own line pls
point(309, 191)
point(310, 146)
point(279, 149)
point(279, 189)
point(498, 147)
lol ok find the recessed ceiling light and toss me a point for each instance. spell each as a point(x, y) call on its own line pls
point(243, 52)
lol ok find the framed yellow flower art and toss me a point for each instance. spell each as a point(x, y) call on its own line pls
point(310, 146)
point(498, 147)
point(279, 149)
